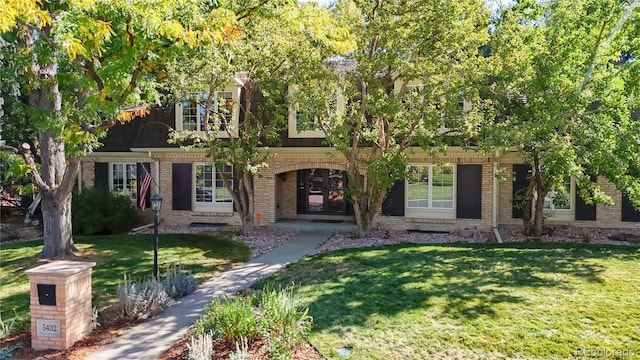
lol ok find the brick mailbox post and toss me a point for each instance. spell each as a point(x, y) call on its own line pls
point(60, 293)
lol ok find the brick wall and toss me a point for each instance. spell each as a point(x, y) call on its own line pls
point(72, 310)
point(606, 216)
point(276, 187)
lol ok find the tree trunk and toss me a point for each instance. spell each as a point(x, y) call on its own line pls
point(56, 217)
point(58, 174)
point(539, 213)
point(527, 206)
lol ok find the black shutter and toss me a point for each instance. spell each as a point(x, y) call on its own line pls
point(629, 213)
point(584, 211)
point(469, 192)
point(393, 204)
point(181, 186)
point(140, 172)
point(101, 175)
point(520, 184)
point(301, 203)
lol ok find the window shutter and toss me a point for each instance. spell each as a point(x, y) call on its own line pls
point(469, 192)
point(520, 183)
point(140, 173)
point(393, 204)
point(629, 213)
point(181, 186)
point(101, 175)
point(584, 211)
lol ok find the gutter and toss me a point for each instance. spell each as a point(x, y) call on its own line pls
point(494, 210)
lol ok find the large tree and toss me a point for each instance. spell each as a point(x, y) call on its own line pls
point(87, 65)
point(567, 87)
point(416, 61)
point(280, 40)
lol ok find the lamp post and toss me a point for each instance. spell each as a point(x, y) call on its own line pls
point(156, 203)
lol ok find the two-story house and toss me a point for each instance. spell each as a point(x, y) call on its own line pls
point(303, 181)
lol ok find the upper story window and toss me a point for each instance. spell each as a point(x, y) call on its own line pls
point(431, 191)
point(123, 180)
point(223, 113)
point(211, 193)
point(304, 121)
point(415, 95)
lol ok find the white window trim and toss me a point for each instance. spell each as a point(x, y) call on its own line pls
point(309, 134)
point(560, 214)
point(111, 187)
point(397, 86)
point(210, 207)
point(431, 213)
point(235, 113)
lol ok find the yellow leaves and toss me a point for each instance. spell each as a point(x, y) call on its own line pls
point(73, 48)
point(28, 11)
point(128, 114)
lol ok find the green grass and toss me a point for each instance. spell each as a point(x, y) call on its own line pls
point(202, 255)
point(525, 301)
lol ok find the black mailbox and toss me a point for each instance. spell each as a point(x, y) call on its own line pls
point(47, 294)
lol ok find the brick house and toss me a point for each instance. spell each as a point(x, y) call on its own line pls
point(303, 181)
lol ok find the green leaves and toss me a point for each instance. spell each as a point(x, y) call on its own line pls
point(564, 97)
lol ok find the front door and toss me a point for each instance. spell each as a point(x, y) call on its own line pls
point(321, 191)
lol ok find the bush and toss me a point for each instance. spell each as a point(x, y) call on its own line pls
point(96, 211)
point(141, 300)
point(276, 319)
point(286, 325)
point(230, 320)
point(6, 328)
point(201, 347)
point(179, 283)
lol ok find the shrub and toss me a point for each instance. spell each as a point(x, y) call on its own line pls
point(97, 211)
point(178, 283)
point(6, 328)
point(141, 300)
point(230, 320)
point(201, 347)
point(7, 351)
point(286, 324)
point(242, 351)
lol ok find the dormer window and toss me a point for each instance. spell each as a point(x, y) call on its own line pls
point(304, 121)
point(415, 94)
point(223, 113)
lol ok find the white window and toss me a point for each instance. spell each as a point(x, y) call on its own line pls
point(415, 92)
point(305, 122)
point(123, 180)
point(223, 113)
point(559, 205)
point(431, 191)
point(210, 191)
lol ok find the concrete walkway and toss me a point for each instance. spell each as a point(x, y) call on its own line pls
point(150, 339)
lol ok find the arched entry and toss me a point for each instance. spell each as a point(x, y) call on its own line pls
point(322, 192)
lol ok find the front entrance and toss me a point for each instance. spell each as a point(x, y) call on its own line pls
point(322, 192)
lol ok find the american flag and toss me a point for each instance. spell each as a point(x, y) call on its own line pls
point(144, 189)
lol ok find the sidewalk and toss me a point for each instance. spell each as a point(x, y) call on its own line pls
point(150, 339)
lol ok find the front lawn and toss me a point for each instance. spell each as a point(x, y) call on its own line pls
point(473, 301)
point(202, 255)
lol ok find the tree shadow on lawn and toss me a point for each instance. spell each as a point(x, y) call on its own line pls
point(117, 255)
point(466, 280)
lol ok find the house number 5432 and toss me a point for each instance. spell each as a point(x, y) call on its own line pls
point(48, 328)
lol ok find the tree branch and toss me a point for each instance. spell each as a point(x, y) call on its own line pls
point(25, 152)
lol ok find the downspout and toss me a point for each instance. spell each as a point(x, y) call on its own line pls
point(494, 210)
point(155, 173)
point(80, 177)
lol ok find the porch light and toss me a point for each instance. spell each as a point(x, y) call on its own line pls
point(156, 203)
